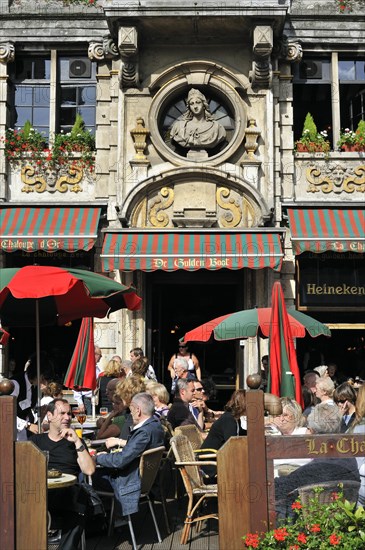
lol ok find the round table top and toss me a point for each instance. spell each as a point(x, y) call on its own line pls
point(66, 480)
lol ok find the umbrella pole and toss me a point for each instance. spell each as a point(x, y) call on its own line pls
point(38, 353)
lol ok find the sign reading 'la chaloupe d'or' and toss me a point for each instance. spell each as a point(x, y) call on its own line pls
point(337, 283)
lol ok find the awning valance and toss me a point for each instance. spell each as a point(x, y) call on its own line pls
point(49, 229)
point(324, 229)
point(169, 250)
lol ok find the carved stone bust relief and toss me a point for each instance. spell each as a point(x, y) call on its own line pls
point(197, 125)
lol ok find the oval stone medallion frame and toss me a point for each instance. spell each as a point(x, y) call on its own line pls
point(175, 83)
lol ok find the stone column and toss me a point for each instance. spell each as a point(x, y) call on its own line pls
point(7, 55)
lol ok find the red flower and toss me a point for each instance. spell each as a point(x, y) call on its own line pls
point(280, 534)
point(335, 496)
point(296, 505)
point(294, 547)
point(252, 540)
point(301, 538)
point(334, 539)
point(315, 528)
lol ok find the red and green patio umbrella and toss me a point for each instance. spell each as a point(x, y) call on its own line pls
point(81, 372)
point(284, 376)
point(35, 296)
point(4, 337)
point(254, 322)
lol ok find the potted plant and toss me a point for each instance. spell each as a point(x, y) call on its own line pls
point(75, 149)
point(353, 141)
point(316, 525)
point(312, 141)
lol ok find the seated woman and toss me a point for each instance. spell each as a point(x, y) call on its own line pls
point(125, 391)
point(231, 423)
point(112, 370)
point(160, 397)
point(291, 420)
point(112, 425)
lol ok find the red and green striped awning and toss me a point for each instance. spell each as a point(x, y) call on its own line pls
point(169, 250)
point(325, 229)
point(48, 229)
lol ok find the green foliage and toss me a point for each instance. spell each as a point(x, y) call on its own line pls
point(316, 526)
point(75, 149)
point(355, 140)
point(312, 140)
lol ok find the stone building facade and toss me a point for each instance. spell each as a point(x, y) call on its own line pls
point(197, 210)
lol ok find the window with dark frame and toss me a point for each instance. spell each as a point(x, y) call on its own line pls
point(30, 87)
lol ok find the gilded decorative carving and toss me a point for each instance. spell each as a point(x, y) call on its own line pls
point(335, 178)
point(38, 183)
point(128, 49)
point(139, 135)
point(252, 134)
point(233, 216)
point(156, 216)
point(261, 73)
point(7, 52)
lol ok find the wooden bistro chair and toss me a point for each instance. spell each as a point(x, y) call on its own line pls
point(197, 491)
point(192, 433)
point(148, 467)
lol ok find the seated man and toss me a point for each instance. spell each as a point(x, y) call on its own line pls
point(120, 470)
point(182, 411)
point(68, 454)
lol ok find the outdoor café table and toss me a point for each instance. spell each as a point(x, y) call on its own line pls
point(66, 480)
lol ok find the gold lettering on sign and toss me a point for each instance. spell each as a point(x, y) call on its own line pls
point(343, 289)
point(345, 445)
point(313, 450)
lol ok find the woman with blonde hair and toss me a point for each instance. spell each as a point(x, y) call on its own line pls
point(291, 420)
point(112, 370)
point(125, 391)
point(160, 397)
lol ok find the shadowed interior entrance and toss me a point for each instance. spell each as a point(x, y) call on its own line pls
point(180, 301)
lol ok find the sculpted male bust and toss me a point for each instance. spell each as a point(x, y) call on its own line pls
point(197, 128)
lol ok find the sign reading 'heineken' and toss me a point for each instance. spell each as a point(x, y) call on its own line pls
point(331, 281)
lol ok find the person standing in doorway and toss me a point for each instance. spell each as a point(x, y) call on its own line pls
point(192, 360)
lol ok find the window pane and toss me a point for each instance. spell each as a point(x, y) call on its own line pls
point(42, 69)
point(346, 70)
point(41, 116)
point(87, 95)
point(41, 95)
point(23, 95)
point(22, 114)
point(360, 70)
point(88, 115)
point(67, 116)
point(68, 96)
point(23, 68)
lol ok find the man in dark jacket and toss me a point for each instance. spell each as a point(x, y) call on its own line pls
point(182, 412)
point(121, 469)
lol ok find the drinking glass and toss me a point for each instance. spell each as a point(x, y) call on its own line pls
point(103, 411)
